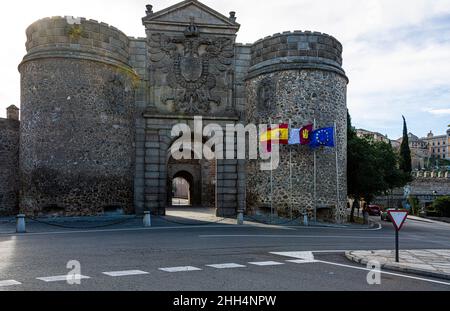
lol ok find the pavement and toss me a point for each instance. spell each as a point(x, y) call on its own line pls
point(221, 257)
point(180, 216)
point(426, 262)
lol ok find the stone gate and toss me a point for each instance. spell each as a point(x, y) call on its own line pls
point(98, 108)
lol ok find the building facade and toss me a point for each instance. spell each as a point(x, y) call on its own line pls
point(374, 136)
point(98, 109)
point(438, 146)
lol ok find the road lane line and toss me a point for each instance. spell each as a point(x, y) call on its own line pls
point(9, 283)
point(124, 230)
point(125, 273)
point(59, 278)
point(266, 263)
point(384, 272)
point(300, 261)
point(226, 266)
point(180, 269)
point(277, 236)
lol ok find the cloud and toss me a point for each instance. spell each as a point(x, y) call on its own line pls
point(440, 111)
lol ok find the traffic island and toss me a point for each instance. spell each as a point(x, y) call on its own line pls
point(431, 263)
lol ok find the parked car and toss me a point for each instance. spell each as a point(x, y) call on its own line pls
point(385, 215)
point(374, 210)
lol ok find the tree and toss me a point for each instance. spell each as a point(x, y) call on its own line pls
point(351, 133)
point(405, 152)
point(372, 169)
point(442, 205)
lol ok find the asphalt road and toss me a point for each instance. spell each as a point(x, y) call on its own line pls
point(149, 259)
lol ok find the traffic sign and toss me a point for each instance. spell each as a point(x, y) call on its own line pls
point(398, 218)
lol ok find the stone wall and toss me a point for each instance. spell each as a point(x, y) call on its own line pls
point(425, 189)
point(297, 77)
point(139, 61)
point(77, 129)
point(9, 166)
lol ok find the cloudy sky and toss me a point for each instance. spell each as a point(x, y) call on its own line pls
point(396, 53)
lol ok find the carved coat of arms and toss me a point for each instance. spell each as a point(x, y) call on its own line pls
point(193, 65)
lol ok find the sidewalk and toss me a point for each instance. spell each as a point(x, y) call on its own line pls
point(175, 217)
point(88, 223)
point(432, 263)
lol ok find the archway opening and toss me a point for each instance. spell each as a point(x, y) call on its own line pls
point(182, 189)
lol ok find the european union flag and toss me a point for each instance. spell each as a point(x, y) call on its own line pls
point(322, 137)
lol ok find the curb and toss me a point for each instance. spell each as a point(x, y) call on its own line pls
point(429, 221)
point(389, 266)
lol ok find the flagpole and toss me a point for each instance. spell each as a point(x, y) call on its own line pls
point(337, 167)
point(315, 180)
point(271, 173)
point(290, 174)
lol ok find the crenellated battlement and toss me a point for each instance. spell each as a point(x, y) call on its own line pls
point(296, 50)
point(431, 174)
point(76, 37)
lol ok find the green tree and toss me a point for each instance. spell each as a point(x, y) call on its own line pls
point(405, 152)
point(442, 205)
point(372, 169)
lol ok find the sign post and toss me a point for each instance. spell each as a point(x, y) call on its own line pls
point(398, 218)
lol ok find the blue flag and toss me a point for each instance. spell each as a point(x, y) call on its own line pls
point(322, 137)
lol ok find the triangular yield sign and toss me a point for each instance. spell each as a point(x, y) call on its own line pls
point(398, 218)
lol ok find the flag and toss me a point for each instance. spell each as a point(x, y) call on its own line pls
point(294, 137)
point(277, 135)
point(305, 134)
point(266, 140)
point(322, 137)
point(300, 136)
point(284, 134)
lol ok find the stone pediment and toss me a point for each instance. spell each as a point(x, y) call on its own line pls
point(183, 12)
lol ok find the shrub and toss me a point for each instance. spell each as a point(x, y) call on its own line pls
point(415, 206)
point(442, 205)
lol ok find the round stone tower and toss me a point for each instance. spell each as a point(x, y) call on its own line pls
point(77, 127)
point(298, 77)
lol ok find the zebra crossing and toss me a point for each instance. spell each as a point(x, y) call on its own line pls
point(175, 269)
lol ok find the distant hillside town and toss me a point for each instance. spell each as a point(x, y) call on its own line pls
point(430, 152)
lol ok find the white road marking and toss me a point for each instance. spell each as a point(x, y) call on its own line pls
point(59, 278)
point(379, 227)
point(384, 272)
point(305, 256)
point(266, 263)
point(301, 261)
point(278, 236)
point(180, 269)
point(9, 283)
point(125, 273)
point(122, 230)
point(226, 266)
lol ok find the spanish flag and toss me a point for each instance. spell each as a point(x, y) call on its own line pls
point(277, 135)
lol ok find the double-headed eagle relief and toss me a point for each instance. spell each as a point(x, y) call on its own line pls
point(193, 65)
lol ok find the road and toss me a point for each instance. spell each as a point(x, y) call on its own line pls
point(212, 258)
